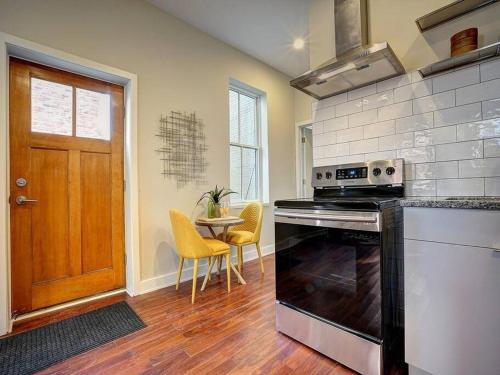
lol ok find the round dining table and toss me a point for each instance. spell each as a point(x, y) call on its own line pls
point(224, 223)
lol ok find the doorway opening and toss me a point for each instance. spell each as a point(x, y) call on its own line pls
point(305, 161)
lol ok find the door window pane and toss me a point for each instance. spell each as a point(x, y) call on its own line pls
point(93, 114)
point(51, 107)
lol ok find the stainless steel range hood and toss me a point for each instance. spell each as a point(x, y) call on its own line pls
point(357, 63)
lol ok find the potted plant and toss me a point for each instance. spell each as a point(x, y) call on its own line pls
point(214, 200)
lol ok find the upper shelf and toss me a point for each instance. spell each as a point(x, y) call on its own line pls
point(488, 52)
point(449, 12)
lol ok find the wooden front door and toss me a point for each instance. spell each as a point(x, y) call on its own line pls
point(66, 186)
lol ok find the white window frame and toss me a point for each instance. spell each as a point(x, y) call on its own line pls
point(262, 170)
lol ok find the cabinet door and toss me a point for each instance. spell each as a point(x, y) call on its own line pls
point(452, 308)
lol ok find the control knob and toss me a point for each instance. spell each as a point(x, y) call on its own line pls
point(376, 171)
point(390, 170)
point(328, 175)
point(319, 176)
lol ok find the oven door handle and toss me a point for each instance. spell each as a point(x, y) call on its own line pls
point(345, 218)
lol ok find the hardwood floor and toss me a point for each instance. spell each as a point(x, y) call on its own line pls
point(220, 334)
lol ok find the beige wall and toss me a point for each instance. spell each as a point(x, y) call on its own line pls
point(178, 68)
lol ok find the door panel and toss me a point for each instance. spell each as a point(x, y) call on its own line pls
point(68, 243)
point(50, 215)
point(96, 212)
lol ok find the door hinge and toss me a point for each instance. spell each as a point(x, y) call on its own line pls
point(124, 185)
point(303, 139)
point(125, 258)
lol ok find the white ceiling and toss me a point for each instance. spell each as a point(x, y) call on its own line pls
point(264, 29)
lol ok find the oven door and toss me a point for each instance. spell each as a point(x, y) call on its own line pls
point(328, 264)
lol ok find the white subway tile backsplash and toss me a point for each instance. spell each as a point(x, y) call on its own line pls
point(478, 92)
point(335, 124)
point(364, 146)
point(492, 148)
point(324, 114)
point(447, 128)
point(491, 109)
point(489, 167)
point(394, 111)
point(436, 136)
point(350, 159)
point(351, 134)
point(459, 151)
point(391, 83)
point(397, 141)
point(490, 70)
point(479, 130)
point(324, 139)
point(418, 154)
point(434, 102)
point(339, 149)
point(334, 100)
point(317, 127)
point(380, 155)
point(457, 115)
point(492, 187)
point(363, 118)
point(412, 123)
point(460, 78)
point(361, 92)
point(420, 188)
point(347, 108)
point(379, 129)
point(439, 170)
point(378, 100)
point(414, 90)
point(460, 187)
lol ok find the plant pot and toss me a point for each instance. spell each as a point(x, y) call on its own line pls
point(213, 209)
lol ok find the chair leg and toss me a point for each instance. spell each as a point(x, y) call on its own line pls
point(195, 275)
point(260, 257)
point(228, 272)
point(211, 263)
point(240, 258)
point(219, 264)
point(179, 273)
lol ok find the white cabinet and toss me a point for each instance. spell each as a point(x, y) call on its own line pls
point(452, 291)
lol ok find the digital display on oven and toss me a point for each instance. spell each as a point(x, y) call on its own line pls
point(349, 173)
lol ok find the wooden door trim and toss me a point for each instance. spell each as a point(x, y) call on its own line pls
point(14, 46)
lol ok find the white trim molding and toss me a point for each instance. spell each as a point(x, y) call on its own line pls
point(13, 46)
point(162, 281)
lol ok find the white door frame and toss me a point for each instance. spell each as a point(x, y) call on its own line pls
point(298, 155)
point(13, 46)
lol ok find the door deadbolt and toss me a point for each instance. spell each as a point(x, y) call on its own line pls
point(21, 182)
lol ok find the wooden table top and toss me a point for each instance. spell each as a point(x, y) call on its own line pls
point(219, 222)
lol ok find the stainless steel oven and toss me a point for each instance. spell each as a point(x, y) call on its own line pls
point(339, 270)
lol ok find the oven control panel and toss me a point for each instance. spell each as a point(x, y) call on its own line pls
point(377, 172)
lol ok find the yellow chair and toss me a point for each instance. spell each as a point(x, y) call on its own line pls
point(191, 245)
point(247, 233)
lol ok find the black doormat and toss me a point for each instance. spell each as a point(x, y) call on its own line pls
point(32, 351)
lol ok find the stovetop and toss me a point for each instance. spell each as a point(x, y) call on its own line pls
point(339, 203)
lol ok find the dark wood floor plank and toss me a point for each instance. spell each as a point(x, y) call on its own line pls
point(220, 334)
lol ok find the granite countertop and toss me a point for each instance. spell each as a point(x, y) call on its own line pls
point(481, 203)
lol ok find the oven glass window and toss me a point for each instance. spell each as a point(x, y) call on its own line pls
point(331, 273)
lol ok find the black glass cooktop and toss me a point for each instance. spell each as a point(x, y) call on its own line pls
point(338, 203)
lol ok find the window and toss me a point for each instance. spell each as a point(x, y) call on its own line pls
point(52, 110)
point(246, 149)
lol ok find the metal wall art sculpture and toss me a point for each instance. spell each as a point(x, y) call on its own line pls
point(183, 148)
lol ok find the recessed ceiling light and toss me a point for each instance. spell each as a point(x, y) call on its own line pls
point(298, 43)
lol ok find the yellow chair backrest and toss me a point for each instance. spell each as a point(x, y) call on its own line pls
point(189, 242)
point(252, 214)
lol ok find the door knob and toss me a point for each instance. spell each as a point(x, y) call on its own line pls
point(21, 199)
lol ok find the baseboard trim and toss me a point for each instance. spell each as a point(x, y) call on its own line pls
point(162, 281)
